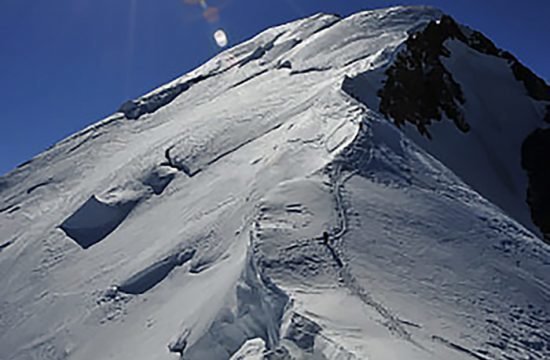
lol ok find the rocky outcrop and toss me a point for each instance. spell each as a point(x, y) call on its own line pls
point(536, 162)
point(418, 88)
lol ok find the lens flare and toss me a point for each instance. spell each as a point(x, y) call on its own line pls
point(211, 14)
point(221, 38)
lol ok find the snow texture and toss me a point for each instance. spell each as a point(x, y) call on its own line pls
point(191, 224)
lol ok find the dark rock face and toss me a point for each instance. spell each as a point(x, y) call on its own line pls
point(535, 86)
point(419, 88)
point(535, 160)
point(484, 45)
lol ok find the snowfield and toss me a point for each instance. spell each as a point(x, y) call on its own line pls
point(189, 225)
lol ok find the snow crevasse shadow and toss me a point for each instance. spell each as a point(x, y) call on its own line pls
point(146, 279)
point(94, 220)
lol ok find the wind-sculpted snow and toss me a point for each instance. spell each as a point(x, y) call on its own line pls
point(302, 332)
point(257, 313)
point(159, 178)
point(5, 245)
point(357, 36)
point(152, 275)
point(95, 219)
point(517, 244)
point(135, 109)
point(9, 209)
point(257, 210)
point(268, 49)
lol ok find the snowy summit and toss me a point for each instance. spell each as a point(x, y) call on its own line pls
point(371, 187)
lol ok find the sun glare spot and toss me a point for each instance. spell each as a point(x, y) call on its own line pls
point(221, 38)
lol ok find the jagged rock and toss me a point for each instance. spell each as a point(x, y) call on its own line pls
point(419, 88)
point(536, 162)
point(535, 86)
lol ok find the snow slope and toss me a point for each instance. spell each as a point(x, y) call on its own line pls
point(189, 224)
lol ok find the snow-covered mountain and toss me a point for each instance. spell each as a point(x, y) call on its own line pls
point(189, 224)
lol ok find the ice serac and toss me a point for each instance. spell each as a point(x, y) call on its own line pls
point(369, 187)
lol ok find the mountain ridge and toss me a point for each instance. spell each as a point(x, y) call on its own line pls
point(195, 230)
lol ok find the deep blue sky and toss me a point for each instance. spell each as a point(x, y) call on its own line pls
point(65, 64)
